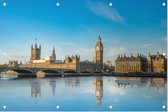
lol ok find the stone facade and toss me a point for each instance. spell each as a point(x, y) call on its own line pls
point(125, 64)
point(157, 63)
point(99, 54)
point(13, 63)
point(69, 63)
point(53, 55)
point(72, 62)
point(87, 66)
point(107, 66)
point(35, 52)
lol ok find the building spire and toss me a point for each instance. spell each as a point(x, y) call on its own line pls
point(99, 38)
point(53, 54)
point(53, 51)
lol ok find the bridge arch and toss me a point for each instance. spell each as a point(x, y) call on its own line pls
point(96, 72)
point(70, 71)
point(50, 71)
point(85, 72)
point(21, 71)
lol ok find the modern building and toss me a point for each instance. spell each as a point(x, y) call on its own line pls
point(157, 63)
point(124, 64)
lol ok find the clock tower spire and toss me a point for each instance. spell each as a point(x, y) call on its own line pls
point(99, 54)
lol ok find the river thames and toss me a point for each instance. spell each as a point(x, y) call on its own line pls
point(92, 93)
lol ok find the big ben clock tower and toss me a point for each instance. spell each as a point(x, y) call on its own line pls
point(99, 54)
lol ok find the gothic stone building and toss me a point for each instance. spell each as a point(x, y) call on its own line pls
point(157, 63)
point(99, 54)
point(125, 64)
point(35, 52)
point(72, 62)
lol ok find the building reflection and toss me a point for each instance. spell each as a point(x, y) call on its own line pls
point(35, 89)
point(156, 82)
point(130, 81)
point(52, 83)
point(72, 81)
point(99, 89)
point(140, 82)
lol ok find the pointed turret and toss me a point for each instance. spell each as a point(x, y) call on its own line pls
point(53, 54)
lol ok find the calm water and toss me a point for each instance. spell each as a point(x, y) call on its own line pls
point(84, 93)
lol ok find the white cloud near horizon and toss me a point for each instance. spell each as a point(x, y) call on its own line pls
point(146, 45)
point(116, 51)
point(104, 10)
point(164, 39)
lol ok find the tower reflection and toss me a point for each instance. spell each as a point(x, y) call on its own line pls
point(99, 89)
point(35, 89)
point(52, 83)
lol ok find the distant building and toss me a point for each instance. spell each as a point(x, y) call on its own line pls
point(53, 56)
point(107, 66)
point(58, 61)
point(99, 54)
point(13, 63)
point(70, 62)
point(35, 52)
point(87, 66)
point(125, 64)
point(157, 63)
point(47, 59)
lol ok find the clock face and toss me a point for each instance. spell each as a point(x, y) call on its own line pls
point(97, 48)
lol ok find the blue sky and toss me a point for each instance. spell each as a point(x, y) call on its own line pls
point(128, 26)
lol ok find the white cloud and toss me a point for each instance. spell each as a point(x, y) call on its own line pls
point(102, 9)
point(164, 39)
point(2, 53)
point(146, 45)
point(116, 51)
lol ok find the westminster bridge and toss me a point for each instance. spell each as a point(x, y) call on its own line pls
point(51, 71)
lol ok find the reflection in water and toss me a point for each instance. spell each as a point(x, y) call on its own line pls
point(83, 94)
point(35, 89)
point(132, 81)
point(52, 83)
point(140, 82)
point(99, 89)
point(72, 81)
point(156, 82)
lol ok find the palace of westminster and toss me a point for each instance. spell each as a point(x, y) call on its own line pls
point(123, 64)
